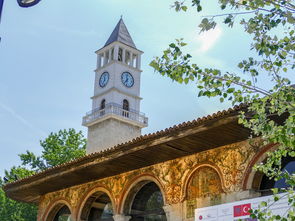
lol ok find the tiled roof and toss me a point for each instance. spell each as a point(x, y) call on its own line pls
point(121, 147)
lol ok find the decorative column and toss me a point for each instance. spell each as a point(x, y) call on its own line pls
point(124, 55)
point(173, 212)
point(99, 61)
point(116, 52)
point(131, 59)
point(72, 218)
point(110, 55)
point(121, 217)
point(138, 58)
point(104, 58)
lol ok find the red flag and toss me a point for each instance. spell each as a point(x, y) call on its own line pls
point(242, 210)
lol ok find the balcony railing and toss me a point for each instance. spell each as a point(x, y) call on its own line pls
point(115, 109)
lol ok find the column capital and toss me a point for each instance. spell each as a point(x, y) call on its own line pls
point(121, 217)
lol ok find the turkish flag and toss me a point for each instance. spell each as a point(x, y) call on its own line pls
point(242, 210)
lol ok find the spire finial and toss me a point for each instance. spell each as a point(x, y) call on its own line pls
point(121, 16)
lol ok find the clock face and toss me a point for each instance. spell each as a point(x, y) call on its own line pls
point(127, 79)
point(104, 79)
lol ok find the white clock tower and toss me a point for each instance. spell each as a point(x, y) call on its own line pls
point(115, 116)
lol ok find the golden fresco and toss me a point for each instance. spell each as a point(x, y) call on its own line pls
point(205, 174)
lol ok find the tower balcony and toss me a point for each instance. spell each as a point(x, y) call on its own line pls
point(116, 111)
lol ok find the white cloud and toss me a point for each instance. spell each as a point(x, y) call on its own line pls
point(208, 39)
point(21, 119)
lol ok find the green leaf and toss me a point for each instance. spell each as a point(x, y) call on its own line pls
point(230, 90)
point(184, 8)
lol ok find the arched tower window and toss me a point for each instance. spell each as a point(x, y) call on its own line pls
point(120, 54)
point(125, 105)
point(125, 112)
point(127, 57)
point(103, 104)
point(102, 107)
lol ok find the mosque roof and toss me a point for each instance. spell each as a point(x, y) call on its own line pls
point(181, 140)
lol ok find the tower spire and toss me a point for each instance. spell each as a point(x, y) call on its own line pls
point(121, 34)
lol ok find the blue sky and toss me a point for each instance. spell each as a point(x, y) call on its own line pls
point(47, 61)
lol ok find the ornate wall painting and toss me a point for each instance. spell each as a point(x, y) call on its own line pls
point(205, 182)
point(231, 160)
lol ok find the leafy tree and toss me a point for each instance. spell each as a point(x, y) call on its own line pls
point(262, 82)
point(58, 148)
point(13, 210)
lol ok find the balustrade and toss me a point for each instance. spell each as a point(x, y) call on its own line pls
point(116, 110)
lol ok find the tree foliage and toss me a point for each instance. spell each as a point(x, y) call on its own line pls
point(13, 210)
point(57, 148)
point(261, 81)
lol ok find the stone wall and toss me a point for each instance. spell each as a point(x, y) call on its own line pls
point(99, 134)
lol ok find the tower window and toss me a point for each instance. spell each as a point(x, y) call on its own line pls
point(133, 62)
point(103, 104)
point(102, 107)
point(127, 58)
point(112, 54)
point(125, 105)
point(107, 57)
point(125, 112)
point(120, 55)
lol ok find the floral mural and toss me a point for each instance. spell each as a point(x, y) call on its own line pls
point(176, 178)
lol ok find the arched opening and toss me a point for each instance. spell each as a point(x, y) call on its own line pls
point(125, 112)
point(145, 203)
point(120, 54)
point(266, 184)
point(98, 207)
point(64, 214)
point(127, 57)
point(204, 182)
point(102, 107)
point(60, 212)
point(103, 104)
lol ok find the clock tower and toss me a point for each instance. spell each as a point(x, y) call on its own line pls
point(115, 116)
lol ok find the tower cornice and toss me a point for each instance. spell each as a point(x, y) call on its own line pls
point(116, 89)
point(117, 62)
point(119, 44)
